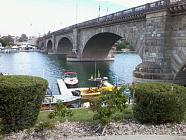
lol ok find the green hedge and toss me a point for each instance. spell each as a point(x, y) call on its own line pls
point(159, 103)
point(20, 101)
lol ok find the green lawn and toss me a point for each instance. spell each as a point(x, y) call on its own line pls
point(79, 115)
point(84, 115)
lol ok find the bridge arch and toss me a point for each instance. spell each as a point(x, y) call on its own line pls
point(65, 46)
point(49, 46)
point(99, 45)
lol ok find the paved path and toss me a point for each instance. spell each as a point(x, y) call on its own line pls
point(133, 137)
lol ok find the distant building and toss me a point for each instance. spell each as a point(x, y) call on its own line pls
point(32, 41)
point(16, 40)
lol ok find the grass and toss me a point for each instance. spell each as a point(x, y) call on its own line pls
point(84, 115)
point(79, 115)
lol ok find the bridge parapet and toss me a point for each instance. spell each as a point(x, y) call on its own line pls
point(177, 6)
point(128, 14)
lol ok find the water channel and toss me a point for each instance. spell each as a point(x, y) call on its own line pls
point(51, 67)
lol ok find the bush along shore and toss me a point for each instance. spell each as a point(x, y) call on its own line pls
point(158, 109)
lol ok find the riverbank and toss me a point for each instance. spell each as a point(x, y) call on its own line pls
point(74, 130)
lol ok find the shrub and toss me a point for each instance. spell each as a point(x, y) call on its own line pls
point(107, 105)
point(43, 126)
point(61, 111)
point(159, 103)
point(20, 101)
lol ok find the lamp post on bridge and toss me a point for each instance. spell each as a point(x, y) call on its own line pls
point(107, 11)
point(99, 11)
point(76, 10)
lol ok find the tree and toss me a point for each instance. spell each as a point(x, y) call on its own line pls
point(8, 40)
point(23, 38)
point(2, 42)
point(121, 45)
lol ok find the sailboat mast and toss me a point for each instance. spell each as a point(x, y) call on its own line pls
point(98, 74)
point(95, 70)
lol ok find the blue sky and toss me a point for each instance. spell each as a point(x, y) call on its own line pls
point(36, 17)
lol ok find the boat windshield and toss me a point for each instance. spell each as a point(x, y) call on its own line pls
point(70, 74)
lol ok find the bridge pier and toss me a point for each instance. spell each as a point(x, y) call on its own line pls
point(151, 72)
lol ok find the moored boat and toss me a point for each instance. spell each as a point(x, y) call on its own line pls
point(51, 100)
point(90, 92)
point(70, 79)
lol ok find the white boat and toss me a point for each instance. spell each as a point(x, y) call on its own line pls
point(67, 97)
point(70, 79)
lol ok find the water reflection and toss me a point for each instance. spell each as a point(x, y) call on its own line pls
point(51, 67)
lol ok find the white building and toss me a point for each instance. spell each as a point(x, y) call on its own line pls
point(16, 40)
point(32, 41)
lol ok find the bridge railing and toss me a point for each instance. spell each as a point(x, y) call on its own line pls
point(142, 9)
point(176, 1)
point(127, 13)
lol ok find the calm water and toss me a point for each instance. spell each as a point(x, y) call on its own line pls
point(51, 67)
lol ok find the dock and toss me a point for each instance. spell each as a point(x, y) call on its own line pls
point(63, 88)
point(65, 94)
point(67, 97)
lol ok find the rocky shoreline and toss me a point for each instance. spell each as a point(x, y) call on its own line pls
point(76, 129)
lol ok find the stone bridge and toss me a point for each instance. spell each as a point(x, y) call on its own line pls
point(157, 31)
